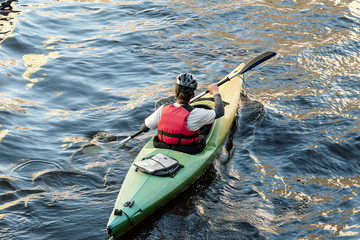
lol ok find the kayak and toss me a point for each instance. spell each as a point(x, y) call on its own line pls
point(143, 192)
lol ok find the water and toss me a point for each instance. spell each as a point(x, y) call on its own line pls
point(75, 71)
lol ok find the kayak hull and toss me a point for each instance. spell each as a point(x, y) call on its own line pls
point(141, 194)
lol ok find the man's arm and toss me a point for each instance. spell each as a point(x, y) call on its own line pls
point(219, 105)
point(152, 121)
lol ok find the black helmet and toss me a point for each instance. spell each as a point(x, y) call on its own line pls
point(186, 82)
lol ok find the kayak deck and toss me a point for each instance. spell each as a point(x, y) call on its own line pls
point(141, 194)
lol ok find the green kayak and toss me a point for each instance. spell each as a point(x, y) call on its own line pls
point(142, 193)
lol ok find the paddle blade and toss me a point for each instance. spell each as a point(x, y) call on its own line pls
point(256, 61)
point(248, 66)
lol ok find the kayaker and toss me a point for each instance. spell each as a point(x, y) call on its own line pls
point(179, 124)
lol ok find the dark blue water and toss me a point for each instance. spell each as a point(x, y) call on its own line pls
point(74, 74)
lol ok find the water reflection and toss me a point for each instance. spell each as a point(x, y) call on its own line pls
point(354, 8)
point(8, 19)
point(3, 133)
point(15, 105)
point(315, 199)
point(33, 63)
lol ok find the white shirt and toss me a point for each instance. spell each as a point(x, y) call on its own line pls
point(196, 119)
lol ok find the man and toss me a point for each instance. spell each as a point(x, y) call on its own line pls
point(179, 124)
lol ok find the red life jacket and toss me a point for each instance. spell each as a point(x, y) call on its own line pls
point(172, 128)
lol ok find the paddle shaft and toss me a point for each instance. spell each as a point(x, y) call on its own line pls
point(250, 65)
point(131, 136)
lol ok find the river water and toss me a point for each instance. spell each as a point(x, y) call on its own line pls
point(75, 74)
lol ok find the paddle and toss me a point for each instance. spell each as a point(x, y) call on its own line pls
point(248, 66)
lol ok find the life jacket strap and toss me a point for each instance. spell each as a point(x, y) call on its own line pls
point(161, 133)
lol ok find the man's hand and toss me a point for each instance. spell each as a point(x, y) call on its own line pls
point(213, 89)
